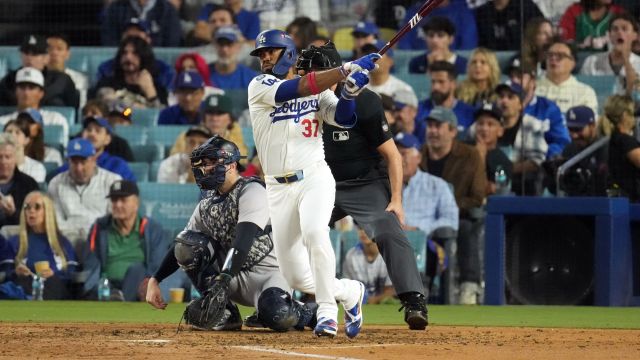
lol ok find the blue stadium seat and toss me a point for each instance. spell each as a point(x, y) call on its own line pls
point(147, 153)
point(603, 86)
point(153, 171)
point(247, 136)
point(4, 110)
point(140, 170)
point(166, 135)
point(421, 84)
point(50, 167)
point(145, 117)
point(334, 235)
point(169, 204)
point(68, 112)
point(401, 60)
point(95, 59)
point(348, 239)
point(74, 129)
point(54, 136)
point(135, 135)
point(418, 241)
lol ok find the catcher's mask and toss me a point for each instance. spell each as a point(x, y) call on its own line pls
point(209, 160)
point(319, 58)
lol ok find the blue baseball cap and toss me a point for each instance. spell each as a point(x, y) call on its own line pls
point(226, 32)
point(80, 147)
point(511, 87)
point(34, 114)
point(580, 116)
point(188, 80)
point(102, 122)
point(406, 140)
point(140, 24)
point(366, 28)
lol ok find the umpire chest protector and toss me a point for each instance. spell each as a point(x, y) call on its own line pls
point(220, 215)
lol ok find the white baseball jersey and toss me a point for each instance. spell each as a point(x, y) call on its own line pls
point(288, 135)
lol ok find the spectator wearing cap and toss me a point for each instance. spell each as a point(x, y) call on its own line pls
point(405, 109)
point(160, 14)
point(500, 23)
point(439, 35)
point(98, 131)
point(125, 247)
point(116, 114)
point(619, 61)
point(559, 85)
point(443, 93)
point(248, 22)
point(488, 129)
point(585, 23)
point(79, 193)
point(189, 91)
point(163, 73)
point(541, 108)
point(29, 94)
point(20, 131)
point(460, 165)
point(59, 50)
point(363, 33)
point(581, 122)
point(177, 167)
point(202, 34)
point(134, 80)
point(524, 139)
point(14, 184)
point(217, 116)
point(382, 82)
point(194, 62)
point(59, 89)
point(457, 11)
point(227, 73)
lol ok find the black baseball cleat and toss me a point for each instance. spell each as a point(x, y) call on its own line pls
point(415, 312)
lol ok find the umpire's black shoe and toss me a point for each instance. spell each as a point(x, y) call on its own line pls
point(415, 312)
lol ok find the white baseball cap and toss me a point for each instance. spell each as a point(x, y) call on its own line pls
point(30, 75)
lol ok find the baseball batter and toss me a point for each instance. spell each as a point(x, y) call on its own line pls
point(226, 245)
point(287, 114)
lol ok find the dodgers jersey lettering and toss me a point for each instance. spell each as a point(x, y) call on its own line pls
point(288, 135)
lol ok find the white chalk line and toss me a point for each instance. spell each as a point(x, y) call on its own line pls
point(152, 341)
point(292, 353)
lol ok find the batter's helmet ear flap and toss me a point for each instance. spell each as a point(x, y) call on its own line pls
point(280, 40)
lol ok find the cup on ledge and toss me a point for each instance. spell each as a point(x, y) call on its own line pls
point(176, 295)
point(41, 266)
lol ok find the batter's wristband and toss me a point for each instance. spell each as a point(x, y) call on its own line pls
point(313, 86)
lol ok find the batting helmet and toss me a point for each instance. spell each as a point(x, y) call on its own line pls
point(319, 58)
point(221, 152)
point(276, 309)
point(281, 40)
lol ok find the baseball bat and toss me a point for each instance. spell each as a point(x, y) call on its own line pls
point(424, 10)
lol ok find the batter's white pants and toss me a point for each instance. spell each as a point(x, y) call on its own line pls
point(300, 212)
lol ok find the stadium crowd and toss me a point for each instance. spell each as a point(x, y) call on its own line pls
point(475, 111)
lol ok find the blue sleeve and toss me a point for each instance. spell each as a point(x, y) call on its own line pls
point(557, 136)
point(252, 25)
point(165, 118)
point(204, 13)
point(61, 169)
point(105, 69)
point(125, 171)
point(288, 90)
point(346, 113)
point(467, 31)
point(166, 74)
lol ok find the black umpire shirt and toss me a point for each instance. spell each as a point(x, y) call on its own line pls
point(352, 153)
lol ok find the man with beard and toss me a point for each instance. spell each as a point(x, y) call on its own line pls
point(226, 72)
point(133, 81)
point(443, 89)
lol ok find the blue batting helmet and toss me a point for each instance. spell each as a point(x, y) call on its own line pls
point(277, 39)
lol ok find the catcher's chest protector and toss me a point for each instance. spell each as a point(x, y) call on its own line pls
point(220, 216)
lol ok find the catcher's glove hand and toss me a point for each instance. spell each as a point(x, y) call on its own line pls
point(207, 312)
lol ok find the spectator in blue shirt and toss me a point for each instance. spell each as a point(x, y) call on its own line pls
point(466, 37)
point(363, 33)
point(189, 91)
point(439, 35)
point(163, 17)
point(248, 21)
point(98, 131)
point(443, 90)
point(163, 73)
point(226, 72)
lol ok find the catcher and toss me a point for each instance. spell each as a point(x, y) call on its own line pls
point(227, 251)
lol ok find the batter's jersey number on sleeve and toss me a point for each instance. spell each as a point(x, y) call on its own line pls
point(310, 127)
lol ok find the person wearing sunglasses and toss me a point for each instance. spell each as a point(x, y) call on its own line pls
point(40, 241)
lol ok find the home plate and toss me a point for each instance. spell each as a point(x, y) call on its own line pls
point(150, 341)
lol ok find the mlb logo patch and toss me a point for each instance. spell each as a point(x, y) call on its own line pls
point(340, 135)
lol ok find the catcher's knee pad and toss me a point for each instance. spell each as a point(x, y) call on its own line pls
point(277, 310)
point(193, 249)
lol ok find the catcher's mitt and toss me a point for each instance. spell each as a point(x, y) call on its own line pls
point(207, 312)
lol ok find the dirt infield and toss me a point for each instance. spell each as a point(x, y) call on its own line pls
point(137, 341)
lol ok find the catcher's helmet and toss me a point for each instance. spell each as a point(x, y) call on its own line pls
point(277, 39)
point(221, 152)
point(319, 58)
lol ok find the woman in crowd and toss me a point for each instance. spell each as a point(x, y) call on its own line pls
point(39, 241)
point(618, 121)
point(20, 130)
point(483, 75)
point(34, 147)
point(537, 37)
